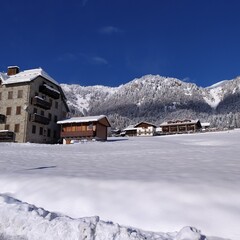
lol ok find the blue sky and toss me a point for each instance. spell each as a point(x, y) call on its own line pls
point(111, 42)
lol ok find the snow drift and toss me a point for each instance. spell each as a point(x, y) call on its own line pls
point(20, 220)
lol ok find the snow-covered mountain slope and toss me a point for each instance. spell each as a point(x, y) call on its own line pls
point(80, 98)
point(221, 90)
point(155, 98)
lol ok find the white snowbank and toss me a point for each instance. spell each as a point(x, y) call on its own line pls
point(26, 221)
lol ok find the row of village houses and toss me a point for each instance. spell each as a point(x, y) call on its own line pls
point(169, 127)
point(33, 108)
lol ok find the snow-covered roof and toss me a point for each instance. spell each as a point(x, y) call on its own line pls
point(179, 122)
point(26, 76)
point(129, 128)
point(205, 124)
point(150, 124)
point(82, 119)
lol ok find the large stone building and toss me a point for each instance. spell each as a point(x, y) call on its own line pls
point(31, 103)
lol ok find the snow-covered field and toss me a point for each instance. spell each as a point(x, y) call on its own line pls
point(159, 184)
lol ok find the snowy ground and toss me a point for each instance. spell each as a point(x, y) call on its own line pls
point(158, 184)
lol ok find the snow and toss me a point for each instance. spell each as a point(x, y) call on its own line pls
point(80, 97)
point(82, 119)
point(218, 84)
point(159, 184)
point(216, 97)
point(51, 88)
point(37, 223)
point(27, 76)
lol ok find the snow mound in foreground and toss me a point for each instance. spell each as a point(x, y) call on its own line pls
point(22, 221)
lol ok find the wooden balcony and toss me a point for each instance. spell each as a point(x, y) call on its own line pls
point(40, 102)
point(51, 92)
point(6, 136)
point(89, 133)
point(40, 119)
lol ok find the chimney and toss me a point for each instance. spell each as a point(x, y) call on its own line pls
point(13, 70)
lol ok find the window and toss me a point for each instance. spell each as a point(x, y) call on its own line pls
point(40, 131)
point(16, 128)
point(78, 128)
point(0, 96)
point(8, 111)
point(18, 110)
point(35, 110)
point(20, 94)
point(49, 132)
point(10, 95)
point(56, 105)
point(7, 127)
point(90, 126)
point(55, 118)
point(54, 133)
point(33, 129)
point(50, 116)
point(42, 113)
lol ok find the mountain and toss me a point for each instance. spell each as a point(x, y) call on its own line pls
point(155, 98)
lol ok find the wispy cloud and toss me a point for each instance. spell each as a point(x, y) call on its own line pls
point(110, 30)
point(67, 57)
point(91, 59)
point(99, 61)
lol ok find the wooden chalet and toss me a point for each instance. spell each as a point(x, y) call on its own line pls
point(181, 126)
point(80, 128)
point(145, 129)
point(140, 129)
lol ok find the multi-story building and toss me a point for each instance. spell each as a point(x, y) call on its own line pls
point(31, 103)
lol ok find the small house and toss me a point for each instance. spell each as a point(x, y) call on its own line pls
point(140, 129)
point(129, 131)
point(79, 128)
point(180, 126)
point(145, 129)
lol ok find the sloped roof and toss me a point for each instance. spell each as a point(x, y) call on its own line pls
point(150, 124)
point(129, 128)
point(26, 76)
point(83, 119)
point(205, 124)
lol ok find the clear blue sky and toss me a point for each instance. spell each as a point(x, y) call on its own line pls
point(111, 42)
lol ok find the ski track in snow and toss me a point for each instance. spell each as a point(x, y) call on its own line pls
point(156, 183)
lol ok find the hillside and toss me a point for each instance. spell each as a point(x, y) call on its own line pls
point(156, 99)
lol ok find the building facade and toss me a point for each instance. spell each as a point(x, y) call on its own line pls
point(81, 128)
point(31, 103)
point(145, 129)
point(181, 126)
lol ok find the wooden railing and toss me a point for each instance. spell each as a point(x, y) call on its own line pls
point(40, 119)
point(49, 91)
point(41, 102)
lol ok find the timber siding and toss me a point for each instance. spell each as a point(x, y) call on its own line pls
point(79, 128)
point(180, 126)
